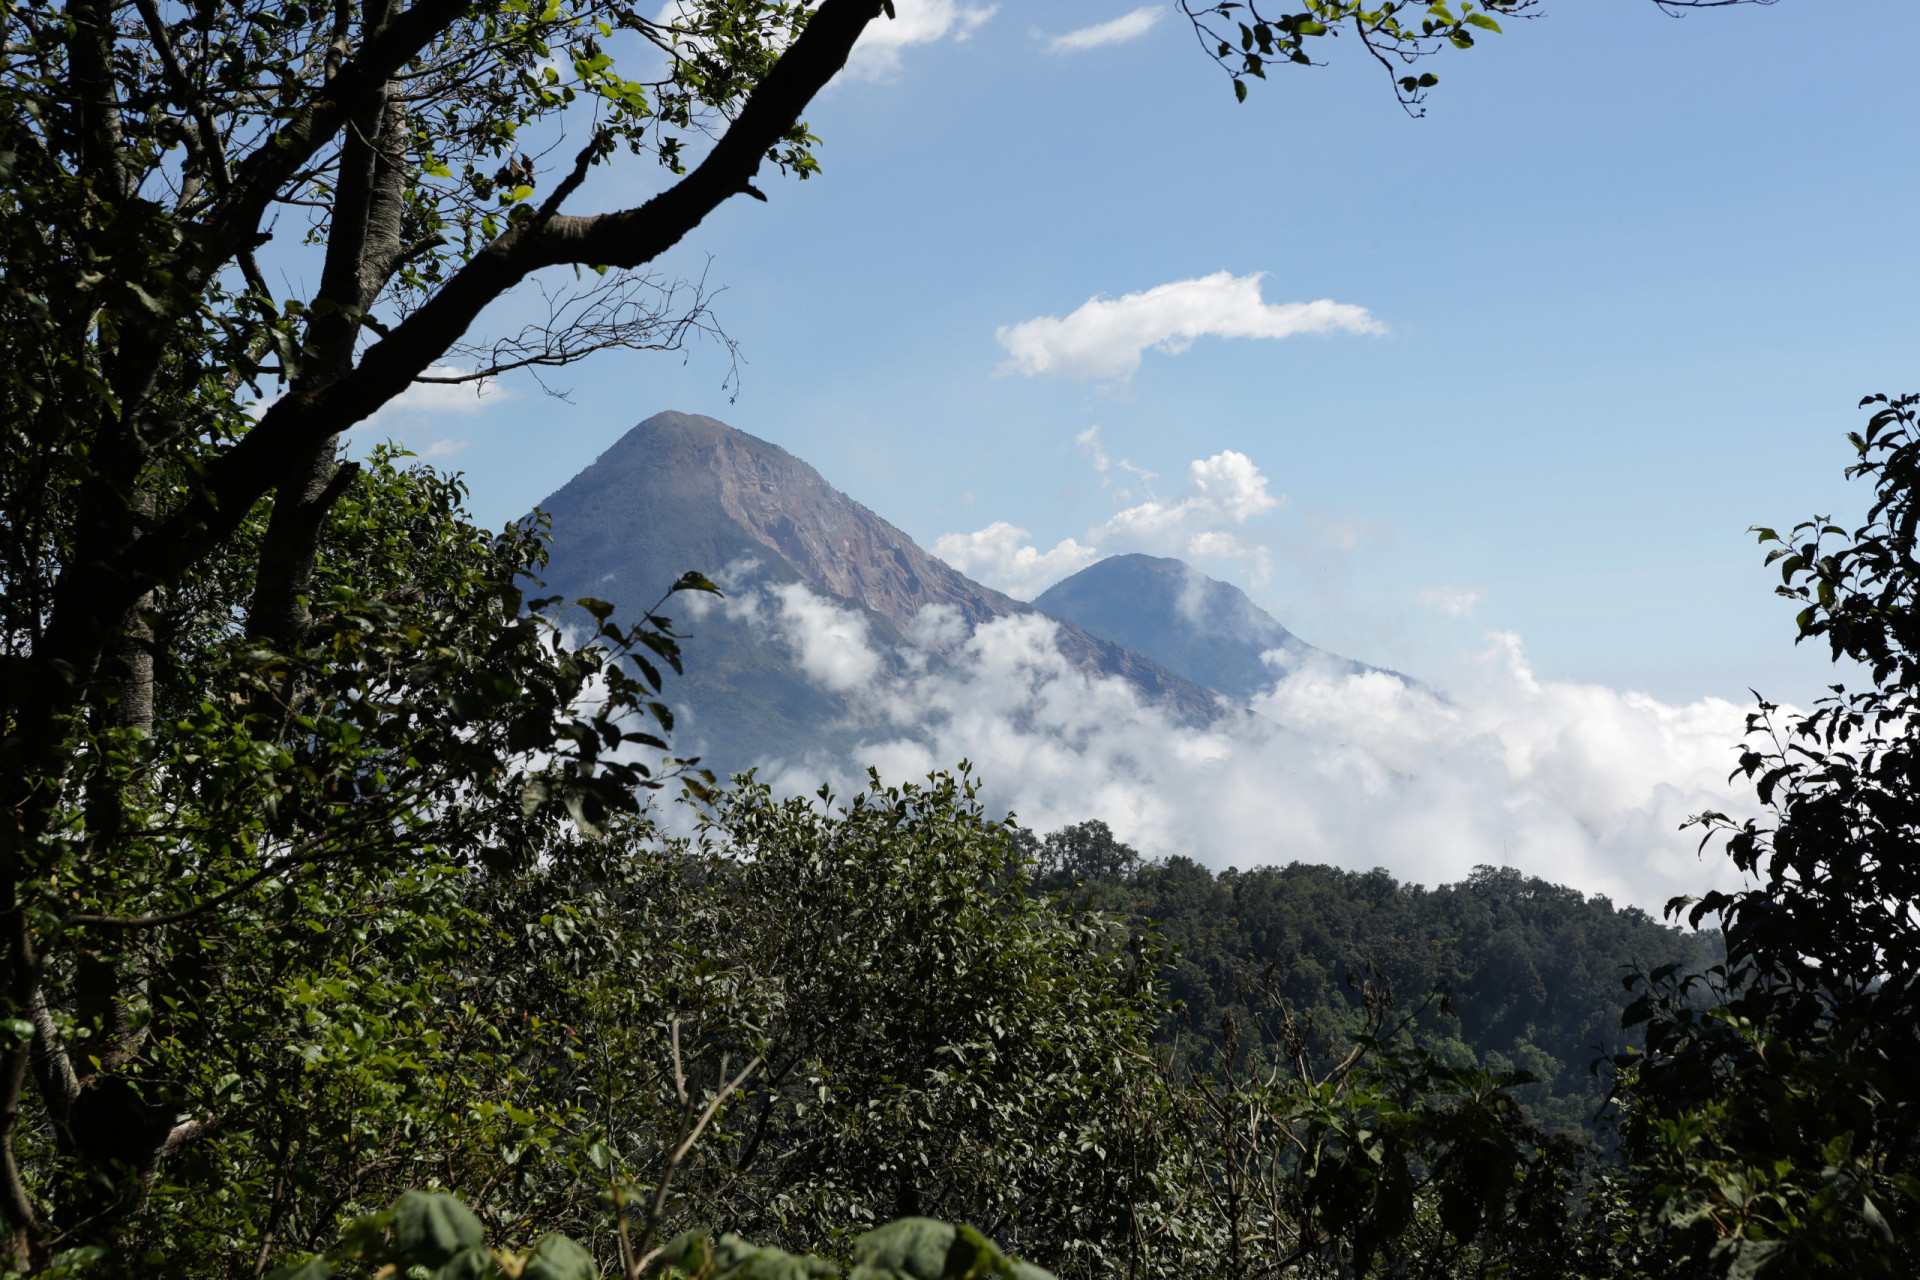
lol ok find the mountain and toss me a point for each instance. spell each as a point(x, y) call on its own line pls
point(681, 492)
point(1193, 625)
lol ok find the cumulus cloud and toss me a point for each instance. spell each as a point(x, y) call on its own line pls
point(830, 643)
point(1578, 784)
point(410, 415)
point(1226, 486)
point(1000, 556)
point(877, 55)
point(1222, 493)
point(1128, 26)
point(1105, 337)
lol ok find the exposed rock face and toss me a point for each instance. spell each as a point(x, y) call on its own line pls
point(681, 492)
point(836, 545)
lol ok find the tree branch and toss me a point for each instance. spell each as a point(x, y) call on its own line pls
point(238, 478)
point(211, 153)
point(360, 80)
point(100, 586)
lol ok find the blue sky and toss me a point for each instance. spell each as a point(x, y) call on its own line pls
point(1629, 277)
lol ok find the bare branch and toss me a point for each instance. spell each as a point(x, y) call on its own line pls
point(634, 313)
point(657, 1213)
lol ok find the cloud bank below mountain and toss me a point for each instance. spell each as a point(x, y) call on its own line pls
point(1576, 783)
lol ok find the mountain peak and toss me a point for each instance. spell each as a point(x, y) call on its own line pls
point(682, 491)
point(1194, 625)
point(834, 544)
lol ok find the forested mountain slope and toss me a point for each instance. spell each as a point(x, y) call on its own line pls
point(1533, 969)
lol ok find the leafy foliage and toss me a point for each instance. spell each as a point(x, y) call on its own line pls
point(1245, 39)
point(234, 935)
point(1531, 970)
point(787, 1025)
point(258, 705)
point(1771, 1119)
point(434, 1234)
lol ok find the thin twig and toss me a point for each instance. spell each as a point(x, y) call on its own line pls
point(658, 1212)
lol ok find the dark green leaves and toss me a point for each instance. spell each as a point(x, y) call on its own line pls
point(1244, 39)
point(436, 1235)
point(695, 1255)
point(923, 1249)
point(1762, 1116)
point(557, 1257)
point(428, 1228)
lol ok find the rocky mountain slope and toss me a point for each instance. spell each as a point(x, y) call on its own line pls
point(682, 492)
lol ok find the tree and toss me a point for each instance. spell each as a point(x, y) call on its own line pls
point(1770, 1124)
point(1083, 851)
point(435, 1234)
point(1400, 35)
point(275, 819)
point(945, 1044)
point(201, 708)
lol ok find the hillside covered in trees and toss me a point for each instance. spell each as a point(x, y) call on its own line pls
point(1533, 972)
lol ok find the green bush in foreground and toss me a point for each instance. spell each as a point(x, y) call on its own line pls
point(435, 1235)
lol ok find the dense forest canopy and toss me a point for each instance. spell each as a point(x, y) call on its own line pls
point(1533, 970)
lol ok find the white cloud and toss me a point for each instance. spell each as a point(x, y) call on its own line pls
point(877, 55)
point(1000, 556)
point(1224, 490)
point(430, 399)
point(1094, 446)
point(830, 642)
point(1578, 784)
point(1105, 337)
point(1128, 26)
point(1222, 493)
point(1455, 604)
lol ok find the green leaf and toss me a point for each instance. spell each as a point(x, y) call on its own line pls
point(557, 1257)
point(430, 1227)
point(311, 1269)
point(910, 1249)
point(923, 1249)
point(469, 1264)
